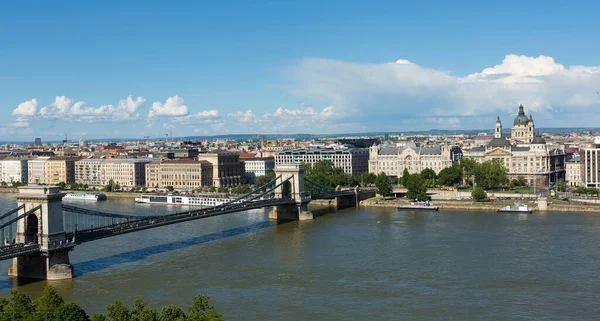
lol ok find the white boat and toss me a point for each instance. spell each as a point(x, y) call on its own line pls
point(515, 209)
point(204, 200)
point(424, 206)
point(85, 196)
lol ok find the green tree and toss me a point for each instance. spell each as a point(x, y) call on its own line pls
point(171, 313)
point(519, 181)
point(201, 310)
point(62, 185)
point(479, 194)
point(450, 176)
point(367, 179)
point(405, 177)
point(116, 311)
point(428, 173)
point(212, 189)
point(416, 188)
point(70, 311)
point(324, 173)
point(491, 174)
point(170, 188)
point(469, 167)
point(262, 180)
point(383, 185)
point(561, 186)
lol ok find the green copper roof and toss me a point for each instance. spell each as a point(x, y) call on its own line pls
point(521, 119)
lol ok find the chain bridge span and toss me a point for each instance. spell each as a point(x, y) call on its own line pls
point(40, 232)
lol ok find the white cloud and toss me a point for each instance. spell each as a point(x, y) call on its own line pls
point(173, 106)
point(383, 94)
point(20, 123)
point(26, 108)
point(245, 117)
point(67, 109)
point(201, 117)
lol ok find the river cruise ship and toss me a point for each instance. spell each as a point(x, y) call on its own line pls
point(204, 200)
point(85, 197)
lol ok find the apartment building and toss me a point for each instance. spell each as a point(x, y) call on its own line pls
point(13, 170)
point(354, 161)
point(180, 174)
point(60, 169)
point(573, 172)
point(36, 170)
point(127, 172)
point(89, 171)
point(227, 171)
point(591, 164)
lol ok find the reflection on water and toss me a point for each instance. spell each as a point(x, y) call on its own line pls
point(351, 265)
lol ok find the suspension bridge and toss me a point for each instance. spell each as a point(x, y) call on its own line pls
point(39, 233)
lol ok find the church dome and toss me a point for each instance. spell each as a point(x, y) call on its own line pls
point(538, 140)
point(521, 119)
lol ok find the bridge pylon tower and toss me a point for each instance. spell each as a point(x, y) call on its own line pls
point(45, 228)
point(292, 189)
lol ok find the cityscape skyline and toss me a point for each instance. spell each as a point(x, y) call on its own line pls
point(208, 70)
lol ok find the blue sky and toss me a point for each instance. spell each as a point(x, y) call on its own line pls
point(129, 69)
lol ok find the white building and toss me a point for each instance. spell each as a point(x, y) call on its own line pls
point(591, 166)
point(573, 172)
point(13, 170)
point(36, 170)
point(127, 172)
point(257, 166)
point(393, 160)
point(354, 161)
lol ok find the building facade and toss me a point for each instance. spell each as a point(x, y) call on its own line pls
point(88, 171)
point(529, 156)
point(257, 166)
point(573, 172)
point(354, 161)
point(36, 170)
point(13, 170)
point(60, 169)
point(180, 174)
point(127, 172)
point(393, 160)
point(591, 166)
point(227, 171)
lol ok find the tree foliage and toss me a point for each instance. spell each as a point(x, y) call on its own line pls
point(561, 186)
point(405, 177)
point(450, 176)
point(51, 307)
point(367, 179)
point(416, 189)
point(469, 167)
point(428, 173)
point(519, 181)
point(241, 189)
point(490, 174)
point(384, 188)
point(479, 194)
point(324, 173)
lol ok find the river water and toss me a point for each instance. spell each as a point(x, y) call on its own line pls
point(356, 264)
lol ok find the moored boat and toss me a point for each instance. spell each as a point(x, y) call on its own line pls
point(204, 200)
point(515, 209)
point(85, 196)
point(424, 206)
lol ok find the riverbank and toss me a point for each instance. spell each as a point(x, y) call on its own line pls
point(483, 206)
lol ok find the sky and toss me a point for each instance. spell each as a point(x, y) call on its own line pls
point(130, 69)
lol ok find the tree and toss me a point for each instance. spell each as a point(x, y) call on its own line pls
point(561, 186)
point(405, 177)
point(200, 310)
point(479, 194)
point(62, 185)
point(491, 174)
point(170, 188)
point(383, 185)
point(428, 173)
point(367, 179)
point(416, 188)
point(450, 176)
point(241, 189)
point(262, 180)
point(519, 181)
point(212, 189)
point(468, 167)
point(324, 173)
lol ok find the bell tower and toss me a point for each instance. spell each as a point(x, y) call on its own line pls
point(498, 132)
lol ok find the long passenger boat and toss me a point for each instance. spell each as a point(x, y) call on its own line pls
point(204, 200)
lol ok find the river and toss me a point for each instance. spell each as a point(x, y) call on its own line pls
point(356, 264)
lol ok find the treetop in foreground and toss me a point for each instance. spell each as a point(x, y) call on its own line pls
point(52, 307)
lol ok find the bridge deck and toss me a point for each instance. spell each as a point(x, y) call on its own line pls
point(19, 249)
